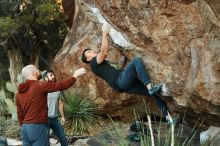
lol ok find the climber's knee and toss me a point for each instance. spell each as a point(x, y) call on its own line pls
point(136, 60)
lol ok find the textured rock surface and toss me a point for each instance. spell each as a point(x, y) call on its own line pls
point(210, 136)
point(179, 42)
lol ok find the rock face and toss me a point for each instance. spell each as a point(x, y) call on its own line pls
point(178, 41)
point(210, 136)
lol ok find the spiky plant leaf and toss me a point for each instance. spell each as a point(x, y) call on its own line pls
point(80, 115)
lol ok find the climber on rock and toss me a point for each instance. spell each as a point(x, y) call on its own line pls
point(132, 79)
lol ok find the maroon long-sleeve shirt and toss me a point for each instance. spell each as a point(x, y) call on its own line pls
point(31, 99)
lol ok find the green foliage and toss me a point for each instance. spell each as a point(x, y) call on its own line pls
point(26, 19)
point(11, 107)
point(35, 27)
point(8, 7)
point(13, 87)
point(19, 78)
point(8, 25)
point(47, 12)
point(3, 125)
point(3, 104)
point(6, 105)
point(4, 74)
point(80, 115)
point(118, 135)
point(8, 128)
point(35, 19)
point(13, 130)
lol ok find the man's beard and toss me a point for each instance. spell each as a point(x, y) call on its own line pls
point(53, 80)
point(39, 76)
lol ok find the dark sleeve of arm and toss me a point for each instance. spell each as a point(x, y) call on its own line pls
point(93, 63)
point(57, 86)
point(20, 113)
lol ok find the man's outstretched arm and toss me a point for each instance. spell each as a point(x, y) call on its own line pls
point(62, 85)
point(105, 45)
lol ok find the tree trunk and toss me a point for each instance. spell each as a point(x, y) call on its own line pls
point(35, 56)
point(15, 64)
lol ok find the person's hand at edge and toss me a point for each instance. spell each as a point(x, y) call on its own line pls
point(62, 120)
point(79, 72)
point(106, 28)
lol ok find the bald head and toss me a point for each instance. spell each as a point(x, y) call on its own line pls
point(30, 72)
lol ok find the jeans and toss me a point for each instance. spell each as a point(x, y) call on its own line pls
point(133, 71)
point(34, 135)
point(54, 124)
point(133, 79)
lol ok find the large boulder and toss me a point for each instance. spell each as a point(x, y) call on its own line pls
point(210, 136)
point(178, 41)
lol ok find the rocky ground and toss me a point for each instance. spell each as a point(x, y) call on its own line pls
point(116, 134)
point(119, 133)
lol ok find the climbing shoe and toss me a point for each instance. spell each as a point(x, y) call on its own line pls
point(134, 137)
point(138, 126)
point(154, 89)
point(174, 121)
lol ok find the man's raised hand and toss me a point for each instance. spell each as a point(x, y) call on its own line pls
point(106, 27)
point(79, 72)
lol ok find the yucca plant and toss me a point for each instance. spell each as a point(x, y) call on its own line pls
point(80, 115)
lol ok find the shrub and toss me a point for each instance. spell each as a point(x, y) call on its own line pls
point(13, 130)
point(80, 115)
point(3, 125)
point(8, 128)
point(3, 104)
